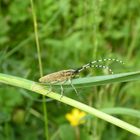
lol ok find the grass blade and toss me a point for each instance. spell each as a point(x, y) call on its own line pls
point(102, 80)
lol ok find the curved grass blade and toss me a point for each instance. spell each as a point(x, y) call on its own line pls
point(102, 80)
point(122, 111)
point(118, 111)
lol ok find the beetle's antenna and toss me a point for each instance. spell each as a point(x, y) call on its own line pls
point(92, 64)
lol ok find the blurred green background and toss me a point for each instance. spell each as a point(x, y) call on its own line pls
point(71, 34)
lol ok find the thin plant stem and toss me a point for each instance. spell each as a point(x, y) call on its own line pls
point(37, 39)
point(40, 68)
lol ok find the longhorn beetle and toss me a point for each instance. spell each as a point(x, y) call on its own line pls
point(67, 75)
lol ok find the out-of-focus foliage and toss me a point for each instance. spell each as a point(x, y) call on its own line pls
point(71, 33)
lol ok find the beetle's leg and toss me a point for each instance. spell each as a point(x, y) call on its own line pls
point(62, 89)
point(73, 87)
point(50, 88)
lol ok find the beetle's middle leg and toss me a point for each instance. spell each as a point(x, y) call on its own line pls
point(50, 88)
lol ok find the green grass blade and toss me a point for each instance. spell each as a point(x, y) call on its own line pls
point(102, 80)
point(122, 111)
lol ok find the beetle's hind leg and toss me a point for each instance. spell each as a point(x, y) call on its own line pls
point(73, 87)
point(62, 89)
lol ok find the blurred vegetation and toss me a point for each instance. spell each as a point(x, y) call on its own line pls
point(71, 33)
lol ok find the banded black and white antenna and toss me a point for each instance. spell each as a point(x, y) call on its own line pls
point(95, 64)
